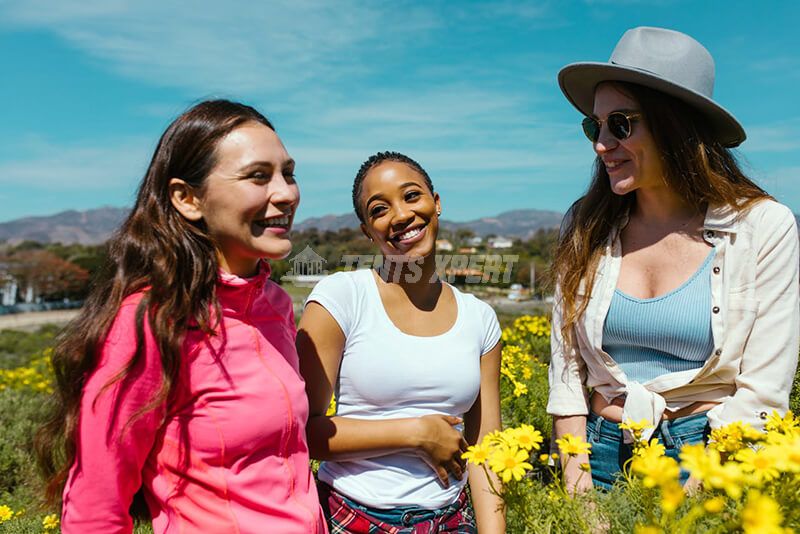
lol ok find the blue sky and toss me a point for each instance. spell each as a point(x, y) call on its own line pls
point(467, 88)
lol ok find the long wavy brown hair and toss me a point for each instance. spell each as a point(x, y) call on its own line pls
point(696, 166)
point(156, 251)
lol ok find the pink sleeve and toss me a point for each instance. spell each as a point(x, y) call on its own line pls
point(110, 455)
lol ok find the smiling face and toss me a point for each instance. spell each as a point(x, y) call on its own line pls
point(632, 163)
point(400, 211)
point(249, 200)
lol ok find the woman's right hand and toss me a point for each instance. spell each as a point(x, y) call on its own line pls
point(442, 445)
point(577, 480)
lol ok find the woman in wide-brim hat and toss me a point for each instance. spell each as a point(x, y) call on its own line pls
point(677, 297)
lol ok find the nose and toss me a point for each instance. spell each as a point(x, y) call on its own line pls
point(283, 191)
point(402, 215)
point(605, 141)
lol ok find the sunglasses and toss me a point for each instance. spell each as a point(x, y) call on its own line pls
point(620, 124)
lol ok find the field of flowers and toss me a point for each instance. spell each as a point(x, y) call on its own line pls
point(749, 481)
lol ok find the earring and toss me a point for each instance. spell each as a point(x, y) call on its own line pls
point(438, 212)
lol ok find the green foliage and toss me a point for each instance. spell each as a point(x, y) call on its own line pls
point(794, 398)
point(20, 413)
point(535, 506)
point(17, 347)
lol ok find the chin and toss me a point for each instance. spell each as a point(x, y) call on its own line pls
point(277, 252)
point(623, 187)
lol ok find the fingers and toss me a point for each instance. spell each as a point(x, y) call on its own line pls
point(444, 478)
point(457, 469)
point(453, 420)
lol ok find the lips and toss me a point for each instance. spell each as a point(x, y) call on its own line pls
point(281, 222)
point(409, 235)
point(612, 165)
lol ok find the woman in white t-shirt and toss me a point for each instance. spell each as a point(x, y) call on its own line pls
point(415, 367)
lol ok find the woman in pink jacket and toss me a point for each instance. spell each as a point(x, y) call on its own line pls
point(180, 380)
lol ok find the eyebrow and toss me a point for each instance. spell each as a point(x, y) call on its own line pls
point(377, 196)
point(287, 163)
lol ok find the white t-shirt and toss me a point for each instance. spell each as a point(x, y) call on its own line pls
point(387, 374)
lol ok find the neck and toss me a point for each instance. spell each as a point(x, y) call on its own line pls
point(244, 268)
point(661, 206)
point(417, 279)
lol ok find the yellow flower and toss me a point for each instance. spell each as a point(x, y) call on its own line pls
point(5, 513)
point(787, 451)
point(635, 428)
point(655, 469)
point(705, 465)
point(647, 529)
point(509, 462)
point(573, 445)
point(761, 515)
point(761, 463)
point(331, 407)
point(50, 522)
point(789, 424)
point(714, 505)
point(477, 454)
point(734, 437)
point(526, 437)
point(652, 448)
point(672, 496)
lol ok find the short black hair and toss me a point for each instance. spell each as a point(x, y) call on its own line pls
point(374, 161)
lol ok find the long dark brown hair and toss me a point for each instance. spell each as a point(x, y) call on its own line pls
point(155, 251)
point(697, 166)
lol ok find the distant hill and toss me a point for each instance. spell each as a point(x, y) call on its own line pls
point(517, 223)
point(328, 222)
point(89, 227)
point(96, 226)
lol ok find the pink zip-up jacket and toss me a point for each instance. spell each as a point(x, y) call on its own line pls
point(229, 454)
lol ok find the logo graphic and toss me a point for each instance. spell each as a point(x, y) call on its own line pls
point(307, 268)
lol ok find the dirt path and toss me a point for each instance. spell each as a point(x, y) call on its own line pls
point(33, 320)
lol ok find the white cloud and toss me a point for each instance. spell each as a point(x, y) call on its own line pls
point(54, 167)
point(234, 46)
point(781, 136)
point(317, 66)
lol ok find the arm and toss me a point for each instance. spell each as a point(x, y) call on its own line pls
point(769, 358)
point(320, 344)
point(568, 401)
point(575, 480)
point(111, 447)
point(483, 418)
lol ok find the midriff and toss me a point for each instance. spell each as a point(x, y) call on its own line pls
point(612, 411)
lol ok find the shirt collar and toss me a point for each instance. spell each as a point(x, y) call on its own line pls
point(722, 218)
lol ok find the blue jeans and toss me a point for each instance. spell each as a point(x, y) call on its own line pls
point(610, 453)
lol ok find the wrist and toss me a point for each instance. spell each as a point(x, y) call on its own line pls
point(411, 433)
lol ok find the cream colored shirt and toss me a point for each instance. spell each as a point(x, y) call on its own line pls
point(755, 323)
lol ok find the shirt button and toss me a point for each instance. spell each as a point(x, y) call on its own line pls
point(717, 352)
point(715, 309)
point(709, 234)
point(716, 270)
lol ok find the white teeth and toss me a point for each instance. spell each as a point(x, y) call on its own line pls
point(408, 235)
point(275, 221)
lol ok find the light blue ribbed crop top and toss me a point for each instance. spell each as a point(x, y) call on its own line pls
point(653, 337)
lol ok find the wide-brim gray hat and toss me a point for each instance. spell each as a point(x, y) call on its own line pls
point(665, 60)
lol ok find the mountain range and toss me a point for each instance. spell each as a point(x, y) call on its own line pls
point(95, 226)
